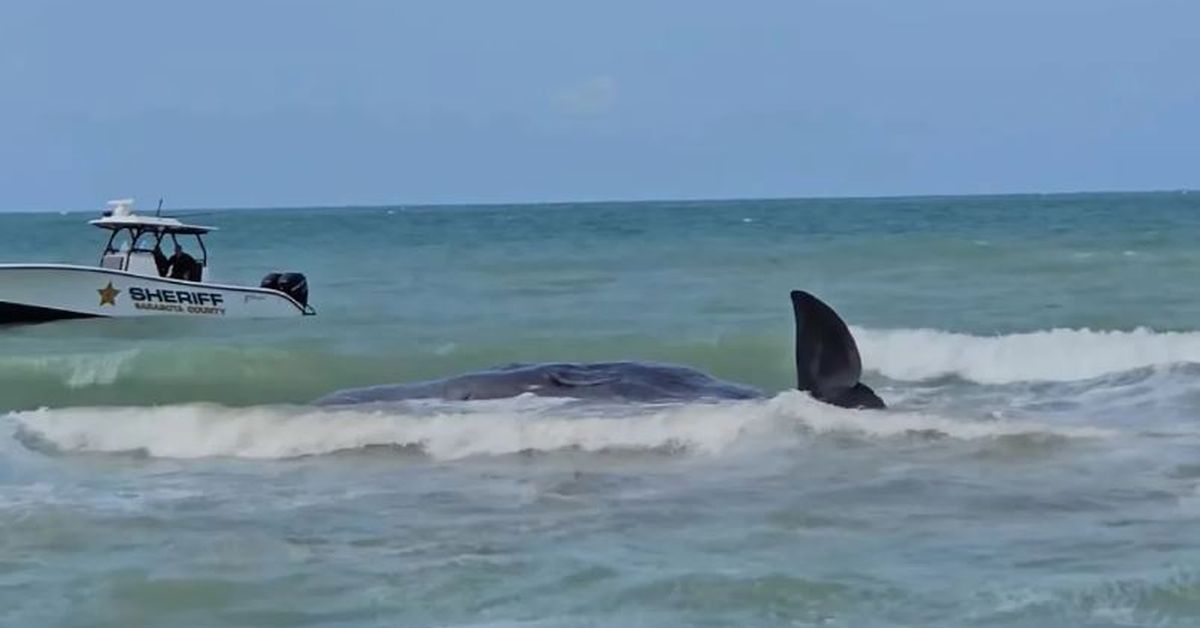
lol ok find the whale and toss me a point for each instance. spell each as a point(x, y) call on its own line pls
point(828, 368)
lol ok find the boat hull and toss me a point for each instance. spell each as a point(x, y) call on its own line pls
point(32, 293)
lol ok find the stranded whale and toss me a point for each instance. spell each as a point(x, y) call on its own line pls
point(828, 367)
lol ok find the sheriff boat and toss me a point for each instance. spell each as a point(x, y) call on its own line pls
point(136, 277)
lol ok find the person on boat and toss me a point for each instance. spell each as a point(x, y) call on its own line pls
point(160, 260)
point(184, 266)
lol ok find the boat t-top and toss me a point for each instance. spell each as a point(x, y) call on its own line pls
point(136, 277)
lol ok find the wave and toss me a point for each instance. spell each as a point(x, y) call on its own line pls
point(449, 431)
point(73, 371)
point(155, 374)
point(255, 375)
point(1055, 355)
point(1164, 598)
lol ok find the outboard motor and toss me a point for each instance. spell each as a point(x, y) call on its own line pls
point(271, 281)
point(294, 285)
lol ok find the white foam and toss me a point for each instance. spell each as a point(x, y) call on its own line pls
point(1053, 355)
point(453, 431)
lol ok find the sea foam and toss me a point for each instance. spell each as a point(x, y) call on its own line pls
point(450, 431)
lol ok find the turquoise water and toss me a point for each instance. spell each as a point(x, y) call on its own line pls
point(1039, 467)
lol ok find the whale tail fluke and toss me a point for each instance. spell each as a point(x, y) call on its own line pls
point(828, 365)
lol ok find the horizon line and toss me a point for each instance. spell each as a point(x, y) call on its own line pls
point(658, 200)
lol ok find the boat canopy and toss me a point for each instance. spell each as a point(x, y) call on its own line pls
point(121, 216)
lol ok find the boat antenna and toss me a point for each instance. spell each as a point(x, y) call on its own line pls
point(158, 212)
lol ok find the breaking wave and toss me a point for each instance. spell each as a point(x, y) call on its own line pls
point(1057, 355)
point(253, 375)
point(450, 431)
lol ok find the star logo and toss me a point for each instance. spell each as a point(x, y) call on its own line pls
point(108, 295)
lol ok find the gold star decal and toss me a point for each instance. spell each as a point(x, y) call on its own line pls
point(108, 295)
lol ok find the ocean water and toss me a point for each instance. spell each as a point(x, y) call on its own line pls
point(1039, 465)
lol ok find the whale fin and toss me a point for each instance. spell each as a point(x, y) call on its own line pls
point(828, 365)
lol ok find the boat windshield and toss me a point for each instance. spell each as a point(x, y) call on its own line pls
point(119, 243)
point(187, 253)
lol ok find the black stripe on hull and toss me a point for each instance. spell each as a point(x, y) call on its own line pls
point(15, 313)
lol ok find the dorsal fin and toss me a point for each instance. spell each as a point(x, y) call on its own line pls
point(828, 365)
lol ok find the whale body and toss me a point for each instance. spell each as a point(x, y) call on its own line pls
point(828, 367)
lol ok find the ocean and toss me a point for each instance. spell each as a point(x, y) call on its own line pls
point(1039, 464)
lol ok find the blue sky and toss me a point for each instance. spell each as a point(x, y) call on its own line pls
point(290, 102)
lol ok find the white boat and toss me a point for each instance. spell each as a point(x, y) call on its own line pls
point(136, 278)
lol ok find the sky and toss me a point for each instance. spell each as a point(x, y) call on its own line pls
point(247, 103)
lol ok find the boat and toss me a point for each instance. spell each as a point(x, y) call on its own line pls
point(136, 278)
